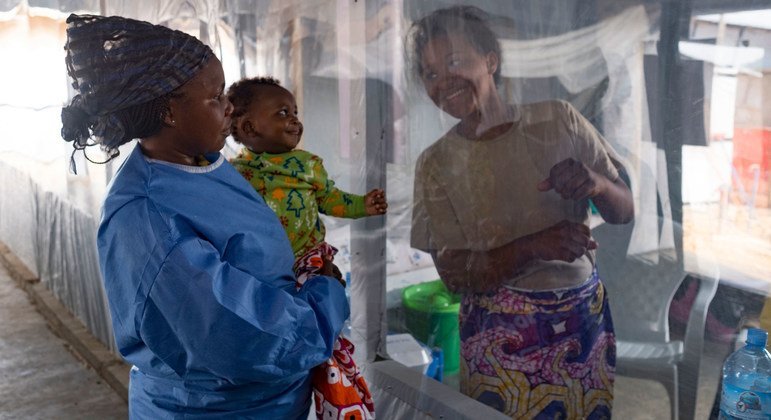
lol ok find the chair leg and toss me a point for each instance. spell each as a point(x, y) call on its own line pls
point(674, 393)
point(688, 392)
point(694, 346)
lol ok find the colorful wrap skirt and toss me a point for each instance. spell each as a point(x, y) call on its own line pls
point(540, 355)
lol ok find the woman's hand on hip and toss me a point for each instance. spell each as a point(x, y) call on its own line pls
point(565, 241)
point(465, 271)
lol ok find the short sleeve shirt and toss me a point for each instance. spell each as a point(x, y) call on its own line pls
point(481, 194)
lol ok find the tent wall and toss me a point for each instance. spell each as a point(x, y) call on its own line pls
point(57, 241)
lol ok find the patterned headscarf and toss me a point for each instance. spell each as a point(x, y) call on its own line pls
point(116, 64)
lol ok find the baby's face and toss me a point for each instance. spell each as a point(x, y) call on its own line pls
point(274, 126)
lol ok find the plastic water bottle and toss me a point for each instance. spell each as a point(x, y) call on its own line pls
point(747, 380)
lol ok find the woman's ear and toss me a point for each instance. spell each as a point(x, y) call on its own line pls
point(492, 62)
point(168, 118)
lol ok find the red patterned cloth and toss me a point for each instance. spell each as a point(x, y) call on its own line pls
point(310, 263)
point(339, 389)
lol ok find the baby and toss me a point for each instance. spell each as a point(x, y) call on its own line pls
point(296, 186)
point(293, 182)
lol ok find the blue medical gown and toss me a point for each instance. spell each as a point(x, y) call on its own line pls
point(198, 273)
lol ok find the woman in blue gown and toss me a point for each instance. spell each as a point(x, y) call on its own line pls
point(202, 297)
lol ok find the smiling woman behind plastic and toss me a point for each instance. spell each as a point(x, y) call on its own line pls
point(502, 204)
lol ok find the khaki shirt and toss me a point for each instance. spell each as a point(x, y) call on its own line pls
point(481, 194)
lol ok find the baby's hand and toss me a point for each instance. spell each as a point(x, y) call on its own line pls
point(329, 269)
point(375, 202)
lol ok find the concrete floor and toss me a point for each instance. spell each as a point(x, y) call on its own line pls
point(39, 377)
point(639, 399)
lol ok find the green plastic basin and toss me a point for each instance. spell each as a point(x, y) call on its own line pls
point(431, 316)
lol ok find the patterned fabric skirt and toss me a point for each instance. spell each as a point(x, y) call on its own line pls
point(540, 355)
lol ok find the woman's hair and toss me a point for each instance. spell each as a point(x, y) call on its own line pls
point(467, 21)
point(125, 72)
point(117, 128)
point(241, 94)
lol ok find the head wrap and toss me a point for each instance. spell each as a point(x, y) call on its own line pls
point(117, 63)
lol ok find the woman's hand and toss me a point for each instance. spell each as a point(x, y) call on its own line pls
point(375, 202)
point(565, 241)
point(466, 271)
point(573, 180)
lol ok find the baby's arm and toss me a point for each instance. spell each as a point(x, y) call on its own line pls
point(375, 202)
point(335, 202)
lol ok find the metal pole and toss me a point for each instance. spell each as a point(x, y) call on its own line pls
point(675, 20)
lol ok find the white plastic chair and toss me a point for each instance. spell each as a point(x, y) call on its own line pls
point(640, 291)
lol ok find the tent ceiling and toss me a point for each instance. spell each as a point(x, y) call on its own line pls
point(582, 12)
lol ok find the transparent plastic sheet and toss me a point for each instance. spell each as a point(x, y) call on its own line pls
point(601, 66)
point(18, 213)
point(369, 119)
point(317, 52)
point(581, 59)
point(51, 215)
point(401, 393)
point(68, 263)
point(57, 242)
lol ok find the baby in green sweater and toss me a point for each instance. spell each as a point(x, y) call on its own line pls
point(293, 182)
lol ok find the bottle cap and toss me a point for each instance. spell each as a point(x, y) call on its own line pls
point(756, 337)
